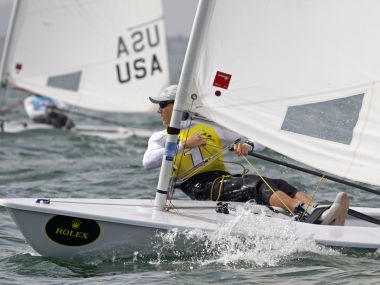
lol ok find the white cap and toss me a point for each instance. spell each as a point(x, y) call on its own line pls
point(167, 95)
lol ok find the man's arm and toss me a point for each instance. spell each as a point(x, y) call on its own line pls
point(242, 148)
point(155, 151)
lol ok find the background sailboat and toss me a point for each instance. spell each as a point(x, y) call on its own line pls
point(99, 55)
point(53, 226)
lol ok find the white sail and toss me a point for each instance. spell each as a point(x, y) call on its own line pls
point(106, 55)
point(301, 77)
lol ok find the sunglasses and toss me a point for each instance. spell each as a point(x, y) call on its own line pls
point(164, 104)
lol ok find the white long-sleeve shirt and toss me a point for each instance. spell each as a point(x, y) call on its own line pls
point(156, 145)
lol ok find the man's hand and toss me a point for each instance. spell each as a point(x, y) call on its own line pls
point(242, 149)
point(194, 141)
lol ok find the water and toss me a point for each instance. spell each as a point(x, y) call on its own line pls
point(53, 163)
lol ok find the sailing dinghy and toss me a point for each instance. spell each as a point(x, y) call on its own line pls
point(253, 66)
point(107, 56)
point(103, 131)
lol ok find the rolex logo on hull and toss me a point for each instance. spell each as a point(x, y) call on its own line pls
point(72, 231)
point(75, 223)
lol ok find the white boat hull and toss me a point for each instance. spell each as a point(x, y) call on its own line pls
point(112, 238)
point(107, 132)
point(72, 228)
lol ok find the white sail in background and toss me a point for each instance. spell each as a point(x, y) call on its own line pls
point(107, 55)
point(301, 77)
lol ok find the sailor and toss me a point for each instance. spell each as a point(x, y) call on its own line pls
point(198, 141)
point(45, 110)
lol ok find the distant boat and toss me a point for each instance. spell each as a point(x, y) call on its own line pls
point(100, 55)
point(104, 131)
point(250, 66)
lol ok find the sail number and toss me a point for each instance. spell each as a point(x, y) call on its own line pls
point(140, 62)
point(196, 155)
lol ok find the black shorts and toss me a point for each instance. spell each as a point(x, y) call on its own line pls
point(212, 186)
point(57, 120)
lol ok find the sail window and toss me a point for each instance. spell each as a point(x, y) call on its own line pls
point(68, 81)
point(332, 120)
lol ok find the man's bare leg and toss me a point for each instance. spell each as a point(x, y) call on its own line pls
point(301, 196)
point(282, 200)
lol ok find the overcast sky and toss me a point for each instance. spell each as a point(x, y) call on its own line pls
point(179, 15)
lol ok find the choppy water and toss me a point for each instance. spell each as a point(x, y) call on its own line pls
point(53, 163)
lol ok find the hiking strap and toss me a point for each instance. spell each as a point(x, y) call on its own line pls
point(315, 215)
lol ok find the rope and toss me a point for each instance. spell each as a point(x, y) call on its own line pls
point(267, 184)
point(244, 170)
point(314, 194)
point(171, 187)
point(220, 187)
point(194, 170)
point(183, 153)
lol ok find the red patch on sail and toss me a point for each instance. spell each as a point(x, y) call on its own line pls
point(18, 67)
point(222, 79)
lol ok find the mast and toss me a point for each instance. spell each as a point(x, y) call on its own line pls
point(199, 29)
point(3, 60)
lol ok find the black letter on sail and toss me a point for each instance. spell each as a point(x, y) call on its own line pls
point(155, 64)
point(121, 48)
point(119, 76)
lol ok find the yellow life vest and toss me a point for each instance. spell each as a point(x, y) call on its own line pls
point(188, 158)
